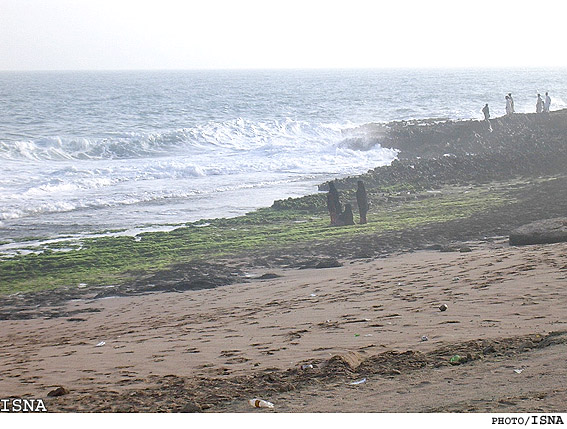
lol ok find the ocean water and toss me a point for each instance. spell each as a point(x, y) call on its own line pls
point(88, 152)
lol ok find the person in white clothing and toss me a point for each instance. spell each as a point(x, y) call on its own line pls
point(508, 105)
point(512, 110)
point(539, 104)
point(547, 103)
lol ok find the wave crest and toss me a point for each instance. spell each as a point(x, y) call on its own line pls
point(235, 135)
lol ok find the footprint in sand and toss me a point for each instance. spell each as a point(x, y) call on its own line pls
point(229, 353)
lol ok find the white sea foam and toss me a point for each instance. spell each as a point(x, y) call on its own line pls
point(239, 135)
point(208, 159)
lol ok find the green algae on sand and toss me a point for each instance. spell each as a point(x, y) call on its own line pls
point(114, 260)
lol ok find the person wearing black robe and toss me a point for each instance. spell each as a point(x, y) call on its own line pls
point(346, 217)
point(333, 204)
point(362, 201)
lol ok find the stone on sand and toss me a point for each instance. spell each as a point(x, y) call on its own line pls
point(540, 232)
point(59, 391)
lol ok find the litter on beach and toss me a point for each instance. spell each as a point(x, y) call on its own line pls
point(102, 343)
point(354, 383)
point(260, 403)
point(519, 371)
point(456, 360)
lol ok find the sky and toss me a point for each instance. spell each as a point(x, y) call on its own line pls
point(243, 34)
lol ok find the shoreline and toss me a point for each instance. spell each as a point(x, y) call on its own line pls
point(518, 148)
point(252, 299)
point(398, 135)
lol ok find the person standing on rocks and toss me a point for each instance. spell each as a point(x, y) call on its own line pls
point(547, 103)
point(512, 110)
point(333, 204)
point(539, 104)
point(508, 105)
point(362, 201)
point(486, 112)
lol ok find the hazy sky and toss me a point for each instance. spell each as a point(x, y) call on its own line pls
point(169, 34)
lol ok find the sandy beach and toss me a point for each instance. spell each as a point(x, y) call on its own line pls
point(329, 212)
point(170, 351)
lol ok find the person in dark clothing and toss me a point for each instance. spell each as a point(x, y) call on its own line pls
point(362, 201)
point(346, 217)
point(333, 204)
point(486, 112)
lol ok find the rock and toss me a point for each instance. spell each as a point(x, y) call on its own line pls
point(449, 248)
point(191, 407)
point(60, 391)
point(540, 232)
point(268, 276)
point(434, 247)
point(318, 263)
point(328, 263)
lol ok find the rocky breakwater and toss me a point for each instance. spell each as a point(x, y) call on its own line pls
point(435, 153)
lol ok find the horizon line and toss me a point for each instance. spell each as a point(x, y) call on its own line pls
point(227, 69)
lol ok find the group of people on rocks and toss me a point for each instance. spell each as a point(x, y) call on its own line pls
point(542, 105)
point(346, 217)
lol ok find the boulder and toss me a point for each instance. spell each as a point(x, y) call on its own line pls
point(319, 263)
point(59, 391)
point(540, 232)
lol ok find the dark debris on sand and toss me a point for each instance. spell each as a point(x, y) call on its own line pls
point(181, 394)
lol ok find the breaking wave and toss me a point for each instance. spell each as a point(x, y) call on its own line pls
point(239, 135)
point(59, 175)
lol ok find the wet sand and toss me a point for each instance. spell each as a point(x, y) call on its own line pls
point(212, 349)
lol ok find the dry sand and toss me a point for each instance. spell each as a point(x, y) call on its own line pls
point(213, 349)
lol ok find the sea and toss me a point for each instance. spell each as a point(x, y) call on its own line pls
point(123, 152)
